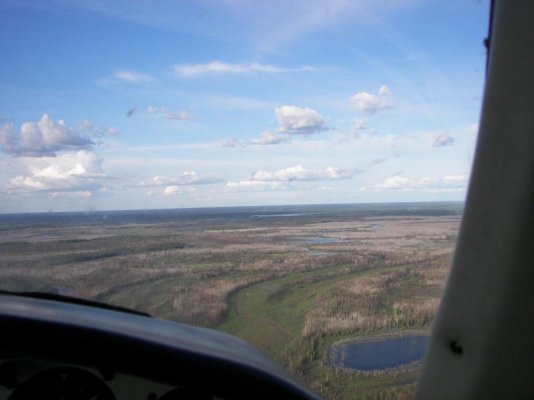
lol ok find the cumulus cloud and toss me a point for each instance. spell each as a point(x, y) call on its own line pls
point(219, 67)
point(133, 77)
point(45, 137)
point(186, 178)
point(368, 103)
point(443, 139)
point(78, 172)
point(299, 120)
point(269, 138)
point(437, 184)
point(165, 113)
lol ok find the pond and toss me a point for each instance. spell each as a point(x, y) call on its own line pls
point(379, 354)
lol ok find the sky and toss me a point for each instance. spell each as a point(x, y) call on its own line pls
point(137, 104)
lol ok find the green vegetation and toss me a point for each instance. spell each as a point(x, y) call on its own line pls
point(290, 286)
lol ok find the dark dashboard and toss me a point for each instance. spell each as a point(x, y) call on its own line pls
point(37, 379)
point(51, 349)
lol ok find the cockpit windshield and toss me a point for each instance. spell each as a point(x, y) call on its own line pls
point(290, 172)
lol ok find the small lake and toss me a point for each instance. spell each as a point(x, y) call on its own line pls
point(379, 354)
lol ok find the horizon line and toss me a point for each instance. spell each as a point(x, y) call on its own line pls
point(228, 207)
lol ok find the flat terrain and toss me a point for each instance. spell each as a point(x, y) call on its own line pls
point(290, 280)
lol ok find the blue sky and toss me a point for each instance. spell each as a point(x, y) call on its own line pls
point(137, 104)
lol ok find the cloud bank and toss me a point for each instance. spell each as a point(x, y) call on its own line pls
point(278, 179)
point(186, 178)
point(436, 184)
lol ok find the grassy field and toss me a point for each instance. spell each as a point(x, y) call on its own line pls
point(291, 285)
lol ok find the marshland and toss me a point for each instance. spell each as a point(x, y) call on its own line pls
point(294, 281)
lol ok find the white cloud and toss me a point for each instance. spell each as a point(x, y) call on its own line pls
point(292, 120)
point(396, 182)
point(219, 67)
point(269, 138)
point(186, 178)
point(170, 190)
point(298, 120)
point(282, 179)
point(443, 139)
point(435, 184)
point(255, 185)
point(165, 113)
point(133, 77)
point(72, 172)
point(82, 194)
point(368, 103)
point(299, 173)
point(43, 138)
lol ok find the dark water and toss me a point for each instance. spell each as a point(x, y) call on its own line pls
point(380, 354)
